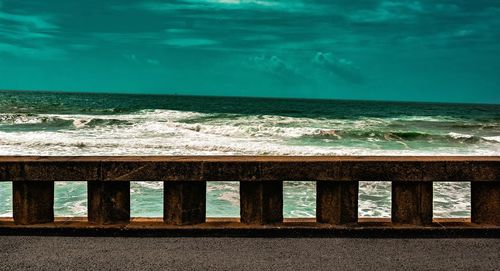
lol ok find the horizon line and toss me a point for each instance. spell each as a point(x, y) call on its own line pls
point(243, 97)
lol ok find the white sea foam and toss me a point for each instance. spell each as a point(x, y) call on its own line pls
point(23, 119)
point(459, 136)
point(492, 138)
point(427, 118)
point(169, 132)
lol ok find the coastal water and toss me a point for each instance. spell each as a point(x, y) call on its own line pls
point(34, 123)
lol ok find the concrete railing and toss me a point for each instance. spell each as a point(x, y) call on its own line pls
point(261, 186)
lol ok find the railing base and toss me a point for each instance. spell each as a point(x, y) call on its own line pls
point(229, 227)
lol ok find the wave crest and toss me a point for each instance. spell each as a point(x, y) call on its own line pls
point(171, 132)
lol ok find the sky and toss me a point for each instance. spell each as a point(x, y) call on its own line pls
point(427, 50)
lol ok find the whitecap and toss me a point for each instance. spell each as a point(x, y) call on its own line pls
point(459, 136)
point(492, 138)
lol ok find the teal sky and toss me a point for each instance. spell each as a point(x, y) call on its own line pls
point(428, 50)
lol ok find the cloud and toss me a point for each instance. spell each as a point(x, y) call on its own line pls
point(300, 27)
point(261, 26)
point(153, 61)
point(30, 21)
point(82, 46)
point(339, 67)
point(39, 52)
point(127, 38)
point(131, 57)
point(139, 60)
point(388, 11)
point(26, 27)
point(190, 42)
point(290, 6)
point(273, 65)
point(23, 34)
point(177, 31)
point(28, 36)
point(271, 5)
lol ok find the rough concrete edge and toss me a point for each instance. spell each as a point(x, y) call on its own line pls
point(230, 227)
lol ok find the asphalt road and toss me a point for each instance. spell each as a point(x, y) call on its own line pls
point(108, 253)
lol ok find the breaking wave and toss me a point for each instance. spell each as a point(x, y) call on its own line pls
point(172, 132)
point(398, 136)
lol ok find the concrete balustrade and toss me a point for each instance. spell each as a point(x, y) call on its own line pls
point(261, 186)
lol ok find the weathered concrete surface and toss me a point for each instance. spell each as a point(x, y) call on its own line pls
point(231, 227)
point(485, 203)
point(337, 202)
point(261, 202)
point(249, 168)
point(261, 180)
point(184, 203)
point(108, 202)
point(411, 203)
point(33, 202)
point(84, 253)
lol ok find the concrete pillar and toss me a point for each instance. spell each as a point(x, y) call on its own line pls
point(184, 202)
point(261, 202)
point(33, 202)
point(412, 203)
point(108, 202)
point(337, 202)
point(485, 203)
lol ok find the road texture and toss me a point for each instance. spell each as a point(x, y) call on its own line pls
point(120, 253)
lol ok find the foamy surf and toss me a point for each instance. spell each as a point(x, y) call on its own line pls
point(169, 132)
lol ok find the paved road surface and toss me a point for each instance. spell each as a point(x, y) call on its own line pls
point(98, 253)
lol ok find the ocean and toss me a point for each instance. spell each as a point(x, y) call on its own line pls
point(42, 123)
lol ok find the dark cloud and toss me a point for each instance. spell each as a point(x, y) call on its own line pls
point(238, 24)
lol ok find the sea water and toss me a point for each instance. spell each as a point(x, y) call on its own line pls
point(36, 123)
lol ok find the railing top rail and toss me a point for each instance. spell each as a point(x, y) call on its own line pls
point(249, 168)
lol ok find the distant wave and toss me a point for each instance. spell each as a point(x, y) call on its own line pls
point(397, 136)
point(43, 122)
point(495, 139)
